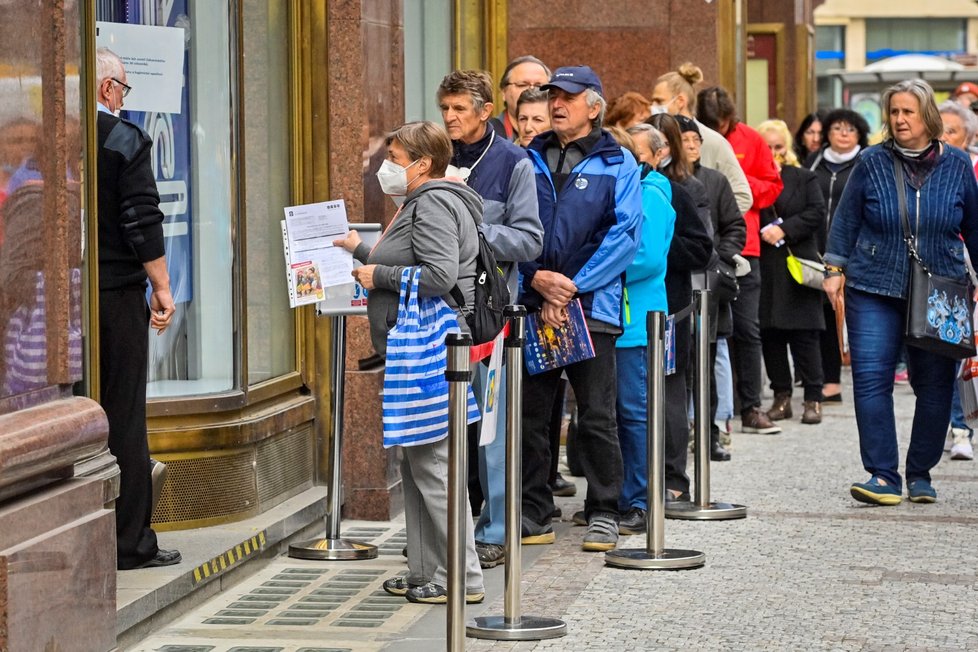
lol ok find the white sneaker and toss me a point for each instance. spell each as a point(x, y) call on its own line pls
point(961, 449)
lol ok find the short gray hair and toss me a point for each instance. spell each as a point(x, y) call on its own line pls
point(107, 64)
point(925, 98)
point(656, 138)
point(594, 97)
point(968, 118)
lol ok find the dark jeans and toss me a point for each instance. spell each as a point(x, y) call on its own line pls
point(594, 384)
point(745, 349)
point(829, 344)
point(805, 353)
point(124, 347)
point(876, 327)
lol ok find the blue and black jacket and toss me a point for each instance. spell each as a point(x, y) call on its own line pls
point(591, 226)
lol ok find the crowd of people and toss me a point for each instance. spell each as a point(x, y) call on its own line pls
point(628, 205)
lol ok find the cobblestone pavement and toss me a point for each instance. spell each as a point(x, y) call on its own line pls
point(808, 569)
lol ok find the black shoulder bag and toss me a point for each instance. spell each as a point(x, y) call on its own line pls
point(939, 309)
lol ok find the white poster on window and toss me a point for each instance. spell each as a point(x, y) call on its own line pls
point(153, 57)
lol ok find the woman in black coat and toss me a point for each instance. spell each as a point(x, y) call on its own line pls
point(791, 313)
point(846, 135)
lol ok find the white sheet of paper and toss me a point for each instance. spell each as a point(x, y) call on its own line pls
point(490, 396)
point(311, 229)
point(153, 57)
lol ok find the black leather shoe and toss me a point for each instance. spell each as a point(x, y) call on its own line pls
point(162, 558)
point(563, 487)
point(633, 522)
point(681, 498)
point(718, 453)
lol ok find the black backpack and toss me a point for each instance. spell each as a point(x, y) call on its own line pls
point(491, 296)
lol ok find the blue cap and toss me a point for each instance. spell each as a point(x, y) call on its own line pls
point(575, 79)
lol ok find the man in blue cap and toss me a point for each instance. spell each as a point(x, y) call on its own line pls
point(591, 210)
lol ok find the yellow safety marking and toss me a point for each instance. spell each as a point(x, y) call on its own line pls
point(230, 557)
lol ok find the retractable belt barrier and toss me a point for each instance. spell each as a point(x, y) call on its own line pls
point(701, 508)
point(655, 556)
point(458, 376)
point(513, 625)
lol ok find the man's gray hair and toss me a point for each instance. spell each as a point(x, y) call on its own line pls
point(593, 97)
point(107, 64)
point(657, 139)
point(968, 118)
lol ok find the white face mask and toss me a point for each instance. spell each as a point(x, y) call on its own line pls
point(659, 109)
point(393, 178)
point(664, 163)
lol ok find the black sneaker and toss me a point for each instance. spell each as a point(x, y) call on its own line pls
point(536, 534)
point(490, 554)
point(578, 518)
point(432, 593)
point(633, 522)
point(161, 558)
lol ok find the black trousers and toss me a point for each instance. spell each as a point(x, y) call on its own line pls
point(677, 420)
point(745, 345)
point(829, 345)
point(595, 388)
point(123, 353)
point(804, 351)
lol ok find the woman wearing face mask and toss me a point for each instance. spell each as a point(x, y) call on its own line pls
point(809, 137)
point(846, 135)
point(790, 313)
point(436, 229)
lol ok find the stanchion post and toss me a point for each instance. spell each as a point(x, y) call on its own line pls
point(655, 556)
point(701, 508)
point(334, 548)
point(513, 625)
point(458, 376)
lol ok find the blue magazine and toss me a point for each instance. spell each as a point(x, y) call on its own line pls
point(550, 348)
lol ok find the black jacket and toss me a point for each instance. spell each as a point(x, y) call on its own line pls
point(832, 185)
point(729, 228)
point(130, 223)
point(786, 304)
point(690, 249)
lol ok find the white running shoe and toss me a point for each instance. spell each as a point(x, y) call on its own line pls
point(961, 448)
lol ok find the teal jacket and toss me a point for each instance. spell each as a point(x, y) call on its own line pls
point(645, 278)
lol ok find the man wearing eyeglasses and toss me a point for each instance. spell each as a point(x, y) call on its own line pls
point(521, 73)
point(130, 251)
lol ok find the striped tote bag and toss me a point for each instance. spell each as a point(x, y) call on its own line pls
point(415, 400)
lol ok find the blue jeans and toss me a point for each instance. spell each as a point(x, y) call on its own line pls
point(725, 402)
point(491, 527)
point(876, 327)
point(632, 436)
point(957, 412)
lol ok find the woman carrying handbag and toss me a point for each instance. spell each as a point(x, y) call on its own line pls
point(868, 242)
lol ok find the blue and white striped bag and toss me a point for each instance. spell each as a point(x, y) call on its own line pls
point(415, 389)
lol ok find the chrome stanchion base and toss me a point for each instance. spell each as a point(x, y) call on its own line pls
point(668, 559)
point(719, 511)
point(332, 550)
point(530, 628)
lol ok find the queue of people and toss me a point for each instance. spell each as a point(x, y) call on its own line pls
point(626, 206)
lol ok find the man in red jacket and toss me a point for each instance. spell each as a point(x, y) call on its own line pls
point(715, 109)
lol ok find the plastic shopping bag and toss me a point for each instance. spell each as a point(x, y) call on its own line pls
point(415, 397)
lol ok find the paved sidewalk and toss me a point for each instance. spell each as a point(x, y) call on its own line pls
point(808, 569)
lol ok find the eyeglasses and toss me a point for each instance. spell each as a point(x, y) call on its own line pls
point(125, 87)
point(843, 129)
point(523, 85)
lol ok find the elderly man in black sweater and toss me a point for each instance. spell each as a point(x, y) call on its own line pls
point(130, 250)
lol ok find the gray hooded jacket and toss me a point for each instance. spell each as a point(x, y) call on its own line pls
point(435, 229)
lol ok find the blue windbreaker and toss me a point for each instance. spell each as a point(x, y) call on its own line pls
point(591, 226)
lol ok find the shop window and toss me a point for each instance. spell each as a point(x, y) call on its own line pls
point(178, 58)
point(268, 187)
point(830, 46)
point(41, 135)
point(887, 37)
point(427, 55)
